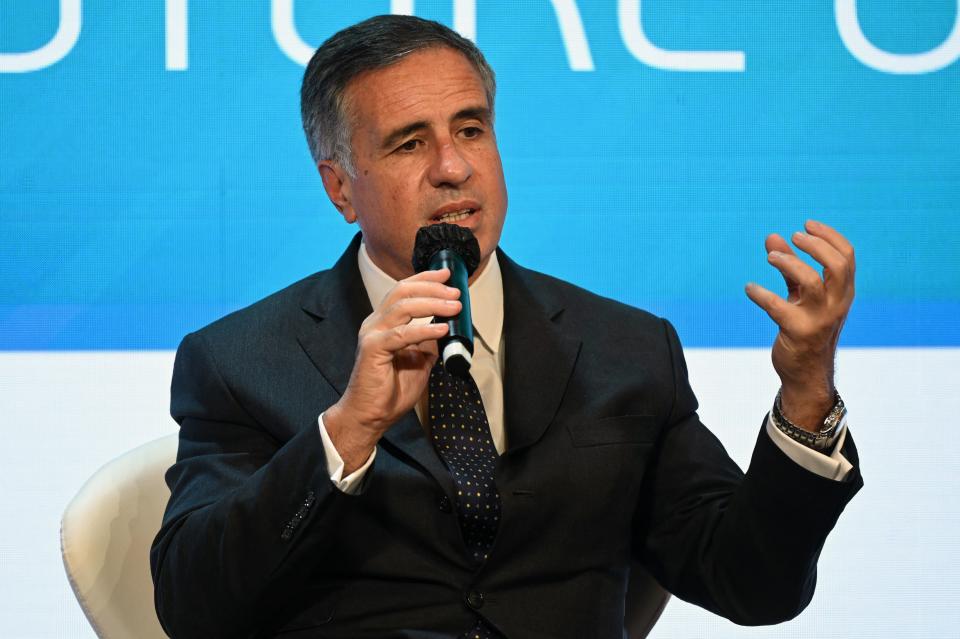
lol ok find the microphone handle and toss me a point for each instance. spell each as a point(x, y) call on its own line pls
point(456, 347)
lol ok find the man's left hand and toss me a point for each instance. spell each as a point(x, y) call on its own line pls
point(810, 318)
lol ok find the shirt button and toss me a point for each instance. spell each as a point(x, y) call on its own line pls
point(444, 504)
point(475, 599)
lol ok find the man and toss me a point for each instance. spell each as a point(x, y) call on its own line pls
point(315, 493)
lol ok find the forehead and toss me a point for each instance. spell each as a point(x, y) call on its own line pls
point(428, 85)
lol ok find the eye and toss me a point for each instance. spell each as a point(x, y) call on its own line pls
point(472, 132)
point(409, 145)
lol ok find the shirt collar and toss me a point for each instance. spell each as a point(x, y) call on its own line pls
point(486, 295)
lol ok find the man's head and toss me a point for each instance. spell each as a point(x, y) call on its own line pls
point(398, 113)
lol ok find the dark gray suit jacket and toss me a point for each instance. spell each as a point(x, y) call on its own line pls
point(606, 460)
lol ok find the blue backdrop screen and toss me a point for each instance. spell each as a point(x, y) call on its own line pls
point(154, 175)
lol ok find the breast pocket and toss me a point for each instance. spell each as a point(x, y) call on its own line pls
point(622, 429)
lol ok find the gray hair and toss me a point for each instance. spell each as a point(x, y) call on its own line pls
point(372, 44)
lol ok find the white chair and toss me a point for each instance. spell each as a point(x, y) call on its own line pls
point(107, 529)
point(645, 602)
point(105, 538)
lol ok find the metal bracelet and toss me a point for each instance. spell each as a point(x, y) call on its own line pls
point(818, 440)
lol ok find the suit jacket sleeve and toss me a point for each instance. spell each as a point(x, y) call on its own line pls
point(743, 546)
point(248, 516)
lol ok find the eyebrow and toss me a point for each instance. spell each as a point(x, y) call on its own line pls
point(481, 113)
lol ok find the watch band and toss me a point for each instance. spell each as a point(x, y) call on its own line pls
point(819, 440)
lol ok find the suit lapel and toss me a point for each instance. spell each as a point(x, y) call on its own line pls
point(409, 438)
point(539, 357)
point(338, 303)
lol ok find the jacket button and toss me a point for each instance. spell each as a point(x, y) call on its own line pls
point(445, 504)
point(475, 599)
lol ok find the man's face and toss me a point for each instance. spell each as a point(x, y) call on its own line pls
point(424, 151)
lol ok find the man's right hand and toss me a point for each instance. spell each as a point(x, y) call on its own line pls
point(392, 365)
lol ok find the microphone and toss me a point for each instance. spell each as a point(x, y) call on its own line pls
point(450, 246)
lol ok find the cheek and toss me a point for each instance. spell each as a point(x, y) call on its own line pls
point(397, 198)
point(383, 198)
point(400, 211)
point(404, 197)
point(495, 185)
point(493, 171)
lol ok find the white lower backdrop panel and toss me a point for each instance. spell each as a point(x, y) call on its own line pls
point(889, 569)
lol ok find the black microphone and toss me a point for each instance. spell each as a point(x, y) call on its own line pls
point(450, 246)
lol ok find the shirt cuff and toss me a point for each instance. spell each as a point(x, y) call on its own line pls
point(352, 482)
point(833, 466)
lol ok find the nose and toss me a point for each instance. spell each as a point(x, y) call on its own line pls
point(450, 167)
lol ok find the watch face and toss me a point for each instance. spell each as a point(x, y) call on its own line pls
point(837, 414)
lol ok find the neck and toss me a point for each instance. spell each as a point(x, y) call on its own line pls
point(480, 269)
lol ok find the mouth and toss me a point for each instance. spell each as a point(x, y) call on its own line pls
point(457, 212)
point(452, 217)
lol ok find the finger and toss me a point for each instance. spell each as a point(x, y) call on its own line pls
point(439, 275)
point(397, 338)
point(835, 239)
point(776, 243)
point(416, 281)
point(775, 306)
point(416, 288)
point(430, 348)
point(836, 272)
point(408, 308)
point(416, 357)
point(797, 273)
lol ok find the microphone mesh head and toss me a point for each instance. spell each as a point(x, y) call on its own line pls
point(436, 237)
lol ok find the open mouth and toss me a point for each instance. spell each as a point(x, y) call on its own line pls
point(453, 216)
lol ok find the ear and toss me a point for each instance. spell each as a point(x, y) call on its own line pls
point(339, 187)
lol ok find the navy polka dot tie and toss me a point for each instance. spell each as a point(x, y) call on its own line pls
point(461, 436)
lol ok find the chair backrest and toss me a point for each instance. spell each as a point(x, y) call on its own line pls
point(107, 529)
point(105, 538)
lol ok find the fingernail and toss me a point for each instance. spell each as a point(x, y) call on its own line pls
point(799, 236)
point(451, 302)
point(774, 255)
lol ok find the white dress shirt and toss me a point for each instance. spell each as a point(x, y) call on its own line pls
point(486, 302)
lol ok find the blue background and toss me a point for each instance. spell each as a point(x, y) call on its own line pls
point(137, 203)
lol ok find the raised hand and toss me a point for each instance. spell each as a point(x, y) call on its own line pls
point(810, 318)
point(392, 364)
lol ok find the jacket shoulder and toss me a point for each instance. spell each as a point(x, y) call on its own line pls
point(583, 307)
point(272, 314)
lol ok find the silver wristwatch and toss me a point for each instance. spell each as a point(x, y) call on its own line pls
point(821, 439)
